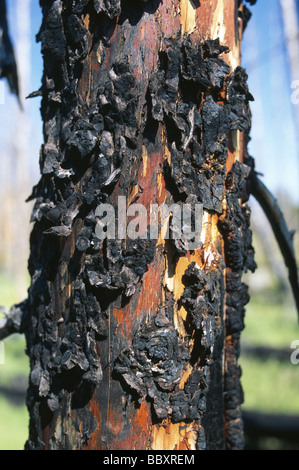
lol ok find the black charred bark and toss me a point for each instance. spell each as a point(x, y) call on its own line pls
point(101, 332)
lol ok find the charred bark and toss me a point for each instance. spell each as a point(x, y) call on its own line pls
point(134, 344)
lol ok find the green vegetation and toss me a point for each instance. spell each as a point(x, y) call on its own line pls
point(13, 380)
point(270, 385)
point(13, 425)
point(13, 383)
point(271, 322)
point(7, 290)
point(16, 361)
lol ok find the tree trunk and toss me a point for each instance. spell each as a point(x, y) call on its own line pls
point(133, 343)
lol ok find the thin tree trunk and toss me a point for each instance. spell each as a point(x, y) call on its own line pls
point(134, 344)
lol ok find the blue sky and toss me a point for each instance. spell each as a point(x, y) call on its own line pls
point(274, 143)
point(9, 112)
point(274, 134)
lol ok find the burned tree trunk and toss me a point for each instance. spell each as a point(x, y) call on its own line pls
point(134, 341)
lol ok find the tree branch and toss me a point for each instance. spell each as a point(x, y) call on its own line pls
point(280, 230)
point(13, 321)
point(8, 67)
point(276, 425)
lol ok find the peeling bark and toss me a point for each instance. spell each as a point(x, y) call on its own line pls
point(133, 344)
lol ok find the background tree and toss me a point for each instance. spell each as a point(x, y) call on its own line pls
point(8, 68)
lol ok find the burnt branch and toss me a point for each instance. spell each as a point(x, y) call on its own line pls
point(280, 229)
point(13, 320)
point(8, 67)
point(281, 426)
